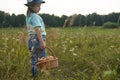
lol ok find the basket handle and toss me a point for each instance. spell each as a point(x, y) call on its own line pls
point(49, 50)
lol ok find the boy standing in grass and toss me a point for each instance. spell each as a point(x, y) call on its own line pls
point(36, 31)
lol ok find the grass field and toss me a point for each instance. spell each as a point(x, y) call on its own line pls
point(83, 53)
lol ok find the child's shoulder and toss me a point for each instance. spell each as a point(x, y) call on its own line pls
point(34, 15)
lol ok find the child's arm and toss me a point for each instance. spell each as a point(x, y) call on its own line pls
point(42, 44)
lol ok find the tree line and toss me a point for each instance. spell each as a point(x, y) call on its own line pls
point(94, 19)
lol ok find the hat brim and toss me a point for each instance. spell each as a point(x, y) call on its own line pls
point(34, 3)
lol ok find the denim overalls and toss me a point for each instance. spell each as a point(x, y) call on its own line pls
point(33, 44)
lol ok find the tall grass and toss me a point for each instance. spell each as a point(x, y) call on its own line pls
point(83, 53)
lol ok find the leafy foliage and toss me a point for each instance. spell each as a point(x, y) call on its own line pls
point(93, 19)
point(110, 25)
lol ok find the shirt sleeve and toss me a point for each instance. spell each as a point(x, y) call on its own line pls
point(36, 21)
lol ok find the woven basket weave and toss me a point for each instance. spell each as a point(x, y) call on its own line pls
point(48, 62)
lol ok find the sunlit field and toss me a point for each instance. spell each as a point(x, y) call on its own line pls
point(83, 54)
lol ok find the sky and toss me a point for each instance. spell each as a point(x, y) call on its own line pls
point(64, 7)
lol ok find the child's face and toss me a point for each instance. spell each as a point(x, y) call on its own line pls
point(36, 8)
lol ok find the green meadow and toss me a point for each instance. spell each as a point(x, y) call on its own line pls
point(83, 54)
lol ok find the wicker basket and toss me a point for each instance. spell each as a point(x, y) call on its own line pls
point(48, 62)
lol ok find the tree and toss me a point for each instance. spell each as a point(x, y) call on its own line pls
point(7, 20)
point(20, 20)
point(13, 20)
point(80, 20)
point(113, 17)
point(2, 18)
point(93, 19)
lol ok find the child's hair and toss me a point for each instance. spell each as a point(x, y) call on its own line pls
point(29, 10)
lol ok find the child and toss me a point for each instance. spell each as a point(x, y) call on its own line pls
point(36, 31)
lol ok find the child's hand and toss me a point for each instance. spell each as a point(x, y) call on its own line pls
point(42, 45)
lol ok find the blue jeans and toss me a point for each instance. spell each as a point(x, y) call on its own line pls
point(34, 45)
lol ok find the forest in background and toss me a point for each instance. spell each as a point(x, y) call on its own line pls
point(94, 19)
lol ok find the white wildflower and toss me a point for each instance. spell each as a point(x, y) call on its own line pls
point(67, 39)
point(112, 46)
point(12, 50)
point(70, 41)
point(13, 38)
point(63, 51)
point(6, 39)
point(0, 50)
point(4, 51)
point(74, 54)
point(4, 44)
point(17, 40)
point(72, 49)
